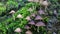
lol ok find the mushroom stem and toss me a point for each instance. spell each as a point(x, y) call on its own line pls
point(45, 8)
point(13, 17)
point(38, 29)
point(19, 33)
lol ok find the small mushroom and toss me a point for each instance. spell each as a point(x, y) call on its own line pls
point(32, 23)
point(27, 27)
point(28, 18)
point(41, 11)
point(30, 9)
point(33, 15)
point(55, 12)
point(18, 30)
point(38, 17)
point(12, 12)
point(28, 32)
point(39, 24)
point(19, 16)
point(45, 3)
point(30, 0)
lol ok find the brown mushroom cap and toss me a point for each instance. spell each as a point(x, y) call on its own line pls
point(32, 23)
point(28, 32)
point(40, 24)
point(18, 30)
point(38, 17)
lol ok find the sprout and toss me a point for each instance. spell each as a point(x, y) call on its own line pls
point(27, 27)
point(41, 12)
point(19, 16)
point(18, 30)
point(28, 32)
point(28, 18)
point(32, 23)
point(39, 24)
point(12, 12)
point(38, 17)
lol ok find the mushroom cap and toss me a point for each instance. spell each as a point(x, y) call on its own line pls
point(27, 27)
point(55, 12)
point(36, 1)
point(41, 12)
point(33, 15)
point(45, 3)
point(30, 0)
point(32, 23)
point(40, 24)
point(28, 18)
point(30, 9)
point(28, 32)
point(12, 12)
point(19, 16)
point(38, 17)
point(18, 30)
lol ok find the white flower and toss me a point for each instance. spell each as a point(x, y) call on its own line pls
point(12, 12)
point(19, 16)
point(18, 30)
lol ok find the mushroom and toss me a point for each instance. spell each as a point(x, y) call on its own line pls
point(12, 12)
point(28, 32)
point(27, 27)
point(39, 24)
point(28, 18)
point(19, 16)
point(32, 23)
point(45, 4)
point(33, 15)
point(55, 12)
point(41, 11)
point(38, 17)
point(18, 30)
point(30, 9)
point(30, 0)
